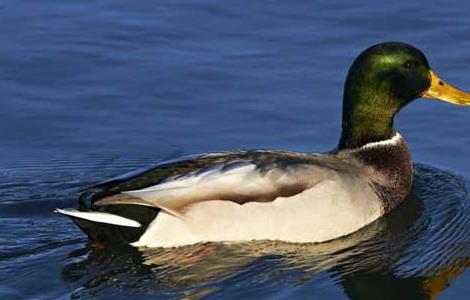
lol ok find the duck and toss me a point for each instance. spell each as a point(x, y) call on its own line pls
point(296, 197)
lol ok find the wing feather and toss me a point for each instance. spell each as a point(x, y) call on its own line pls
point(235, 181)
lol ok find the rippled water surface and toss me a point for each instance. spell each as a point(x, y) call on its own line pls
point(93, 89)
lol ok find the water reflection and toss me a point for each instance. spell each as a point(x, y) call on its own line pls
point(412, 253)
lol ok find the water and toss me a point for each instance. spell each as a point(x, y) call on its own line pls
point(94, 89)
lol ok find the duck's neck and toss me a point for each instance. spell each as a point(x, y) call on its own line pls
point(360, 128)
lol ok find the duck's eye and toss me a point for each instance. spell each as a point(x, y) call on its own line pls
point(409, 64)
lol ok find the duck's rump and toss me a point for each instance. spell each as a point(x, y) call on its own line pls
point(113, 224)
point(108, 233)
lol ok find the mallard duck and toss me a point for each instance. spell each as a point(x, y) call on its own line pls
point(279, 195)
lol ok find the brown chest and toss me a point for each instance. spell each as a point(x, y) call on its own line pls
point(393, 163)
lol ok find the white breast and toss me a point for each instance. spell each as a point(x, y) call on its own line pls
point(331, 209)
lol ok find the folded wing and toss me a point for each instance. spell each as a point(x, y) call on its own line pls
point(246, 177)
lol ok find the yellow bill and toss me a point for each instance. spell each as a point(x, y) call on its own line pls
point(441, 90)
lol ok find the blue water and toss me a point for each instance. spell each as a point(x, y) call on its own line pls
point(92, 89)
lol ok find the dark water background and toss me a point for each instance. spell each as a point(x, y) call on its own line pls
point(92, 89)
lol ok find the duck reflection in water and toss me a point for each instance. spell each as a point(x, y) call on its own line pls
point(414, 252)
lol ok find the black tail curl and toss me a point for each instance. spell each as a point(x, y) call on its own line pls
point(109, 233)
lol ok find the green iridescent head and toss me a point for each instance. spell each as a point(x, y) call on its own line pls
point(381, 81)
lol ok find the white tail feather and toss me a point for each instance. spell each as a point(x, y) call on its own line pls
point(100, 217)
